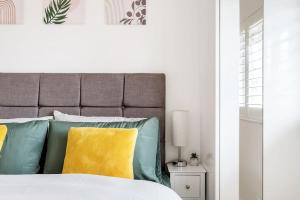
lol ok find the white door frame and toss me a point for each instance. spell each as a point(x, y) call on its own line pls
point(227, 93)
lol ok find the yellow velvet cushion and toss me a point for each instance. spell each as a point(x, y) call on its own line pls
point(3, 132)
point(101, 151)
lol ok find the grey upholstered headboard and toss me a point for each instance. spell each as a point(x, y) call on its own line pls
point(128, 95)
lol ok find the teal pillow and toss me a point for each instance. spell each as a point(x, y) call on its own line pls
point(146, 162)
point(22, 148)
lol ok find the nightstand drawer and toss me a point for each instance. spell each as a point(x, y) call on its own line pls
point(187, 186)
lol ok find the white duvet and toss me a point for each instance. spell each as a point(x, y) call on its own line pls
point(80, 187)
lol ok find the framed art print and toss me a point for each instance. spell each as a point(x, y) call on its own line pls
point(126, 12)
point(11, 11)
point(64, 11)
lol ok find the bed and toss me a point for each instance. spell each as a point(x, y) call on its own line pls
point(121, 95)
point(77, 187)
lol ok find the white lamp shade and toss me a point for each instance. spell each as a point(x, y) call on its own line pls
point(180, 128)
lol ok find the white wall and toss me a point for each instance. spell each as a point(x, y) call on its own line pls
point(229, 110)
point(281, 143)
point(173, 42)
point(251, 160)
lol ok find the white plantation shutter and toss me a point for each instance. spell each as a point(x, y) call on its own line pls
point(251, 71)
point(255, 65)
point(242, 76)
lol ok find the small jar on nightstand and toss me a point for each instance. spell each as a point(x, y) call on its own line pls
point(188, 182)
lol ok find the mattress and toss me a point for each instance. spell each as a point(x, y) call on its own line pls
point(80, 187)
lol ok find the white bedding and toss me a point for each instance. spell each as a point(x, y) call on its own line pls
point(80, 187)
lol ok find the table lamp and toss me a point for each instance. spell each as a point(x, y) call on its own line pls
point(180, 133)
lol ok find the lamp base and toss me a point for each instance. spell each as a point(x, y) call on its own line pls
point(180, 163)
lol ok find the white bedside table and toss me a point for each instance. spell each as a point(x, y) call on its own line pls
point(188, 182)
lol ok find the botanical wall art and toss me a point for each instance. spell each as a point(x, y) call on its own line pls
point(11, 11)
point(64, 11)
point(126, 12)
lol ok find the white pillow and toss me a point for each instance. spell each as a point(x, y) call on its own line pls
point(23, 120)
point(59, 116)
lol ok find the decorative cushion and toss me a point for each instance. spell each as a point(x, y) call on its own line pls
point(22, 147)
point(146, 163)
point(101, 151)
point(3, 132)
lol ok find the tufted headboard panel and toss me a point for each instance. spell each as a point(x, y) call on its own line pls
point(128, 95)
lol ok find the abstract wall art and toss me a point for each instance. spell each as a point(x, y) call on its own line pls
point(64, 11)
point(11, 11)
point(125, 12)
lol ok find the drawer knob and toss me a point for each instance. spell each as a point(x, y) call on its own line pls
point(187, 187)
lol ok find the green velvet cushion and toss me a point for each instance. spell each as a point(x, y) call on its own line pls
point(22, 148)
point(146, 162)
